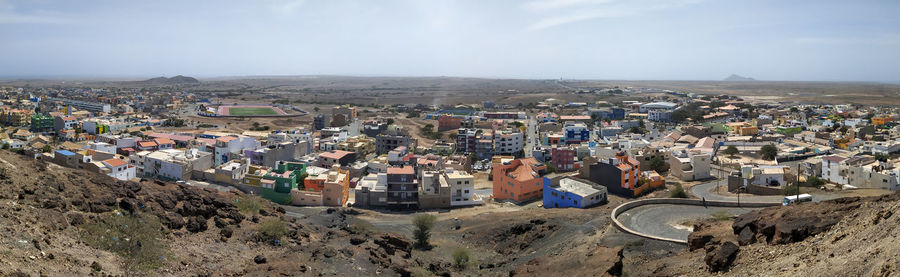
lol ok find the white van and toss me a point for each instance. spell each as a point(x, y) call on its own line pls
point(796, 199)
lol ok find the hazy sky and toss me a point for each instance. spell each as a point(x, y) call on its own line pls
point(590, 39)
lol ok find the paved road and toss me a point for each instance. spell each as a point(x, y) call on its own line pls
point(668, 220)
point(530, 136)
point(705, 191)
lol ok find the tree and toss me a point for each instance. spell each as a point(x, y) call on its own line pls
point(657, 163)
point(678, 192)
point(423, 224)
point(550, 167)
point(390, 121)
point(636, 130)
point(843, 130)
point(316, 109)
point(460, 257)
point(768, 152)
point(47, 149)
point(6, 146)
point(814, 181)
point(731, 150)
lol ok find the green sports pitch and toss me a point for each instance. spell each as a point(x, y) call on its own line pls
point(251, 111)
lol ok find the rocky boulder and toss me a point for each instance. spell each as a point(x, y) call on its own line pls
point(719, 257)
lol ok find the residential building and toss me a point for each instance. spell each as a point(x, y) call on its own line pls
point(371, 191)
point(569, 192)
point(831, 169)
point(466, 140)
point(232, 172)
point(402, 187)
point(563, 158)
point(517, 180)
point(94, 107)
point(659, 111)
point(576, 133)
point(361, 145)
point(462, 188)
point(620, 175)
point(276, 184)
point(230, 147)
point(508, 143)
point(41, 122)
point(336, 157)
point(119, 169)
point(330, 188)
point(690, 165)
point(321, 121)
point(172, 164)
point(389, 140)
point(448, 122)
point(434, 192)
point(64, 123)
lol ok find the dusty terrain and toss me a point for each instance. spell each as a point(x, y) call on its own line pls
point(843, 237)
point(50, 213)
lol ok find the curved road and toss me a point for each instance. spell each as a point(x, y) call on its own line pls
point(666, 220)
point(670, 220)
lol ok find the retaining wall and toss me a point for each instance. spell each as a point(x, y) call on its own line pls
point(676, 201)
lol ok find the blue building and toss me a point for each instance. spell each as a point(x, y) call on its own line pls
point(570, 192)
point(608, 113)
point(575, 133)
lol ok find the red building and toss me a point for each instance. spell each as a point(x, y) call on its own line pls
point(563, 158)
point(448, 122)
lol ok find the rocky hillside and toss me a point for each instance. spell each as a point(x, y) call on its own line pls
point(842, 237)
point(58, 221)
point(177, 80)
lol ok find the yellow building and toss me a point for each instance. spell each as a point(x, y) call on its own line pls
point(254, 175)
point(361, 144)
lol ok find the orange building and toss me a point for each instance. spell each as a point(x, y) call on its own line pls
point(331, 188)
point(881, 120)
point(518, 180)
point(621, 175)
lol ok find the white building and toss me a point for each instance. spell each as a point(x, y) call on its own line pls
point(174, 164)
point(690, 165)
point(119, 169)
point(102, 147)
point(659, 111)
point(508, 142)
point(462, 188)
point(831, 169)
point(229, 146)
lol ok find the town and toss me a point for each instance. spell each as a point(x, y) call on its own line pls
point(648, 161)
point(454, 156)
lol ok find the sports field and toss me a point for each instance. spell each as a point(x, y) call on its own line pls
point(250, 111)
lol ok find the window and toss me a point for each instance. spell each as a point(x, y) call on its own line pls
point(467, 191)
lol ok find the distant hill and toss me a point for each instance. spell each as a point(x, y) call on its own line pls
point(738, 78)
point(171, 81)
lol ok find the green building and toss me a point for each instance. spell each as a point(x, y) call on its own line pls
point(41, 122)
point(277, 183)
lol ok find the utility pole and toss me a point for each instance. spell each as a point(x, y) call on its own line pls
point(798, 183)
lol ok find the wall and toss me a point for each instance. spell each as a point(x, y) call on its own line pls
point(677, 201)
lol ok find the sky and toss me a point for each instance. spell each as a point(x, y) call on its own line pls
point(799, 40)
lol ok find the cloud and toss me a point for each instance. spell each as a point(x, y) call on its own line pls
point(883, 39)
point(287, 7)
point(570, 11)
point(543, 5)
point(10, 15)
